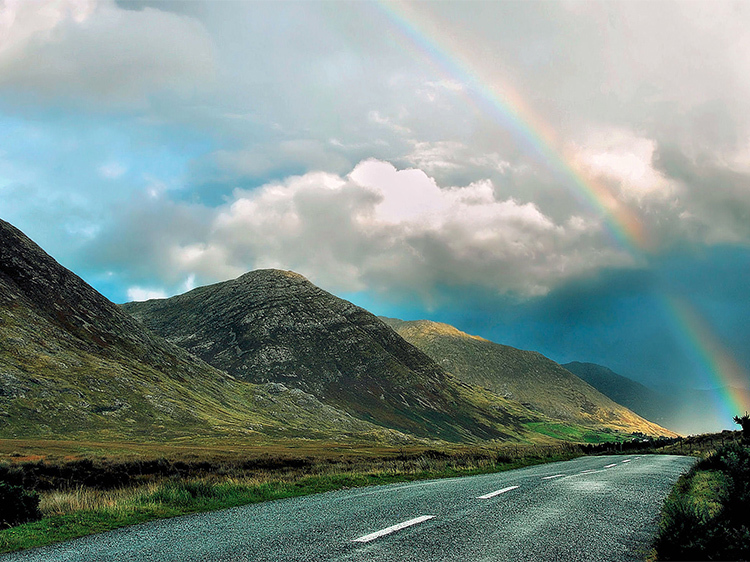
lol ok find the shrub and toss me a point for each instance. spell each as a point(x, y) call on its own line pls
point(17, 505)
point(744, 422)
point(690, 529)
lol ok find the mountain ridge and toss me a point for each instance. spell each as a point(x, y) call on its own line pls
point(527, 376)
point(672, 408)
point(272, 325)
point(73, 363)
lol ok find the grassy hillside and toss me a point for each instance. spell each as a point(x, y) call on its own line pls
point(75, 366)
point(271, 325)
point(72, 364)
point(525, 376)
point(631, 394)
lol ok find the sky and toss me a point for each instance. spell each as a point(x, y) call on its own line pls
point(570, 177)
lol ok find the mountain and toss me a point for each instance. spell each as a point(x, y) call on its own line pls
point(73, 364)
point(674, 408)
point(526, 376)
point(639, 398)
point(271, 325)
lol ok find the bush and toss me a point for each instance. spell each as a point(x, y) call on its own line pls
point(17, 505)
point(744, 422)
point(690, 529)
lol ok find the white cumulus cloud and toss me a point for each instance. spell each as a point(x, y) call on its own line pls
point(380, 227)
point(142, 294)
point(625, 161)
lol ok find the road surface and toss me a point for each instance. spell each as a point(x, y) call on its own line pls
point(591, 508)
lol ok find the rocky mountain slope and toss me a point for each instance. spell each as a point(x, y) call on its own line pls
point(641, 399)
point(271, 325)
point(73, 364)
point(526, 376)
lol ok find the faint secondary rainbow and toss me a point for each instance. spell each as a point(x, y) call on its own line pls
point(505, 106)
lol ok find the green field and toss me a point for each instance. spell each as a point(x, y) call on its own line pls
point(575, 433)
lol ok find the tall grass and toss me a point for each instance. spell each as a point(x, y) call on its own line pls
point(64, 502)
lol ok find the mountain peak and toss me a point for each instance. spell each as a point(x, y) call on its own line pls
point(271, 274)
point(74, 365)
point(526, 376)
point(272, 325)
point(29, 275)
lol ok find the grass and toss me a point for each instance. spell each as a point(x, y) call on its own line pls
point(573, 433)
point(72, 510)
point(701, 446)
point(706, 515)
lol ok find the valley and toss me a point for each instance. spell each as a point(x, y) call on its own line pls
point(288, 361)
point(260, 387)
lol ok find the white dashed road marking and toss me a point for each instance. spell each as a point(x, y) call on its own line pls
point(423, 518)
point(496, 493)
point(394, 528)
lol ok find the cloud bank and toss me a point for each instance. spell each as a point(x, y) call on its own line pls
point(410, 151)
point(377, 228)
point(84, 51)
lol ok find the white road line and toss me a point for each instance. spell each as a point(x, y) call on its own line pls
point(496, 493)
point(611, 465)
point(551, 477)
point(587, 471)
point(394, 528)
point(627, 460)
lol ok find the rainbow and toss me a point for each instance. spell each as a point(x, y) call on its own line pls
point(708, 352)
point(507, 108)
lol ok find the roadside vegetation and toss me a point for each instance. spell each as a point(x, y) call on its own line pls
point(84, 494)
point(706, 516)
point(72, 489)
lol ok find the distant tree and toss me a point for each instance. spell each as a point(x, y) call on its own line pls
point(744, 422)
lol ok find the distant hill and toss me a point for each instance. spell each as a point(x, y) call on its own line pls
point(686, 410)
point(73, 364)
point(272, 325)
point(534, 380)
point(631, 394)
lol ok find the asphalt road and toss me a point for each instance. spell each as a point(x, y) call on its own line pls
point(587, 509)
